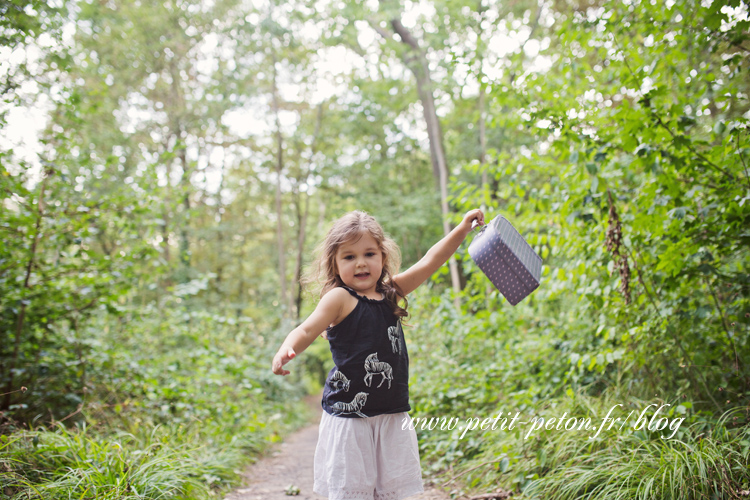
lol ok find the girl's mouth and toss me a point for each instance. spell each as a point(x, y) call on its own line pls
point(362, 275)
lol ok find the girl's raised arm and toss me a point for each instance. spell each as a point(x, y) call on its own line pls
point(327, 311)
point(409, 280)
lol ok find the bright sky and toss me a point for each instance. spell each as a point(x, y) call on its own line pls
point(25, 123)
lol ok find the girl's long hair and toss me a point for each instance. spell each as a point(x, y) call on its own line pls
point(348, 228)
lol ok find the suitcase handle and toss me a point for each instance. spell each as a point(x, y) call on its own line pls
point(474, 225)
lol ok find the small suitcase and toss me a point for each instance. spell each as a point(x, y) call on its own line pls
point(506, 259)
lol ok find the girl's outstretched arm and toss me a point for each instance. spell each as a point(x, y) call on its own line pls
point(327, 311)
point(409, 280)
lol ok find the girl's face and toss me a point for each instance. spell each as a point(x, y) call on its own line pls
point(359, 263)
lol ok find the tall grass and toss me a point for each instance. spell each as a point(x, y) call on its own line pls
point(704, 459)
point(175, 405)
point(511, 361)
point(73, 463)
point(194, 461)
point(696, 468)
point(702, 463)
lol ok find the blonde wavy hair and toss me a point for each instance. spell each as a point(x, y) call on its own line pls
point(348, 228)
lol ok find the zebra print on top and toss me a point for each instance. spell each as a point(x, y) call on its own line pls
point(369, 352)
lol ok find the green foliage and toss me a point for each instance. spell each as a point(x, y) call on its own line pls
point(22, 21)
point(167, 462)
point(175, 402)
point(65, 256)
point(139, 277)
point(189, 462)
point(699, 465)
point(626, 169)
point(22, 24)
point(500, 363)
point(670, 296)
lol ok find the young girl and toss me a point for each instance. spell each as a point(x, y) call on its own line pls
point(363, 451)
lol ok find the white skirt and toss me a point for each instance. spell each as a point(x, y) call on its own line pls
point(367, 458)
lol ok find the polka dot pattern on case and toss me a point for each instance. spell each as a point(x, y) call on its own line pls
point(506, 259)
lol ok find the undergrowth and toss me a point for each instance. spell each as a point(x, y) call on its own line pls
point(498, 363)
point(174, 404)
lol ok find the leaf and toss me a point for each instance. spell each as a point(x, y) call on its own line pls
point(677, 213)
point(713, 20)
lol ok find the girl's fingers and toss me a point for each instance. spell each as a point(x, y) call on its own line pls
point(280, 371)
point(476, 215)
point(278, 365)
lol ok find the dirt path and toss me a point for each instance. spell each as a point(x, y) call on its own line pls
point(291, 463)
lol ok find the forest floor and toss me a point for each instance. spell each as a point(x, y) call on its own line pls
point(291, 464)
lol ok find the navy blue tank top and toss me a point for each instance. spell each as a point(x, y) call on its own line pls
point(371, 376)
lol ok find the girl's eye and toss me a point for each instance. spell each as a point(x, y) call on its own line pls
point(370, 254)
point(349, 257)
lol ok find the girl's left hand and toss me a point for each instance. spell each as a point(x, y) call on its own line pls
point(471, 216)
point(284, 356)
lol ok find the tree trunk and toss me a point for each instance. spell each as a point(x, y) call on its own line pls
point(165, 232)
point(185, 192)
point(419, 65)
point(302, 212)
point(176, 102)
point(285, 299)
point(482, 138)
point(483, 166)
point(220, 232)
point(22, 312)
point(241, 279)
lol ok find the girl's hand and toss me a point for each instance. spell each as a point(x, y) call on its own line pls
point(470, 217)
point(326, 313)
point(282, 357)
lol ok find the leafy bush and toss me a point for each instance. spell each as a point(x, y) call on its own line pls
point(503, 362)
point(175, 403)
point(635, 194)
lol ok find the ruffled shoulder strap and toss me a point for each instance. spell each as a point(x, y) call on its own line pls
point(362, 298)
